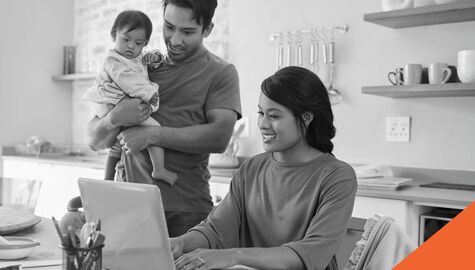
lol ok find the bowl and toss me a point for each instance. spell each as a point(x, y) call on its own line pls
point(18, 248)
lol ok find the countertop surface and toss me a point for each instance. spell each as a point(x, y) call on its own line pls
point(412, 192)
point(453, 198)
point(84, 161)
point(48, 254)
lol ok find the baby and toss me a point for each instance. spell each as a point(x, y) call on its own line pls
point(124, 74)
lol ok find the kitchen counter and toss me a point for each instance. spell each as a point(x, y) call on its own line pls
point(96, 161)
point(82, 161)
point(452, 198)
point(48, 255)
point(413, 193)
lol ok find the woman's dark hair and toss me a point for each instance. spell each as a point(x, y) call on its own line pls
point(132, 19)
point(300, 90)
point(203, 10)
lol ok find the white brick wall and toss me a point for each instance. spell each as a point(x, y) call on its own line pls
point(94, 18)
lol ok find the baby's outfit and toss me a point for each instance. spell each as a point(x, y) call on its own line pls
point(118, 78)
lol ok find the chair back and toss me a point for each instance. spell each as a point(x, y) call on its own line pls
point(383, 244)
point(353, 234)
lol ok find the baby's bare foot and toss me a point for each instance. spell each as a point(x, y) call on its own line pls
point(165, 175)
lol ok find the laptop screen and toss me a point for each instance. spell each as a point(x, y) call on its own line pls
point(133, 222)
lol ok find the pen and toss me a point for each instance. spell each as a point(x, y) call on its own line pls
point(63, 240)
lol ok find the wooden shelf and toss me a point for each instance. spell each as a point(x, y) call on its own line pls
point(74, 77)
point(427, 15)
point(422, 90)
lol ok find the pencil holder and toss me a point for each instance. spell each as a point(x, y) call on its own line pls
point(75, 258)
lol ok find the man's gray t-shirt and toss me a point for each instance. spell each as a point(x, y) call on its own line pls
point(187, 90)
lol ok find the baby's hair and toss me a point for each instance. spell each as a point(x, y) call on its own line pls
point(132, 19)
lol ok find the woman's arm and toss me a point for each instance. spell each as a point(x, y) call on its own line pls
point(188, 242)
point(269, 258)
point(260, 258)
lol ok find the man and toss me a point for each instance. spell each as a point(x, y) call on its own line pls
point(199, 105)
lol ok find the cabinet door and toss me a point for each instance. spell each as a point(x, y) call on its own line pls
point(366, 207)
point(58, 182)
point(60, 187)
point(22, 169)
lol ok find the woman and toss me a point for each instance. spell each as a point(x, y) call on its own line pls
point(289, 207)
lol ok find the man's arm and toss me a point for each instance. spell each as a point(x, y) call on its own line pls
point(212, 137)
point(102, 132)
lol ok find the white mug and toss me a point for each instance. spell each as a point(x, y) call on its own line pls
point(466, 66)
point(439, 73)
point(396, 76)
point(412, 74)
point(389, 5)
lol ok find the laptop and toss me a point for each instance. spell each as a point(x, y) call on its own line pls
point(133, 222)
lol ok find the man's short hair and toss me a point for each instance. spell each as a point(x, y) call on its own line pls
point(203, 10)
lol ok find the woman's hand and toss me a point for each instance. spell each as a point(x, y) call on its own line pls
point(177, 245)
point(207, 259)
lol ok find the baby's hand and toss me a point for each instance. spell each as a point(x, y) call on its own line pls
point(153, 59)
point(154, 99)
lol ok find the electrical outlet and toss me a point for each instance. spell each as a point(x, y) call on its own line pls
point(243, 121)
point(398, 129)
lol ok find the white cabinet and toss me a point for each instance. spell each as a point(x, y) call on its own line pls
point(366, 207)
point(59, 182)
point(405, 213)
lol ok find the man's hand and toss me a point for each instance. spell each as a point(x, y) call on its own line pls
point(129, 112)
point(135, 139)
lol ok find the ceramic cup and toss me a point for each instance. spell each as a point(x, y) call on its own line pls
point(396, 76)
point(466, 66)
point(439, 73)
point(388, 5)
point(412, 74)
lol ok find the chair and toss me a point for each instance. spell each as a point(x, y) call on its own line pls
point(353, 234)
point(383, 244)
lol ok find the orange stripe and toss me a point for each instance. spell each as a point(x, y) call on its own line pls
point(452, 247)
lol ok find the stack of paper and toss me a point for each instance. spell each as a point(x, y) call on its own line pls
point(383, 183)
